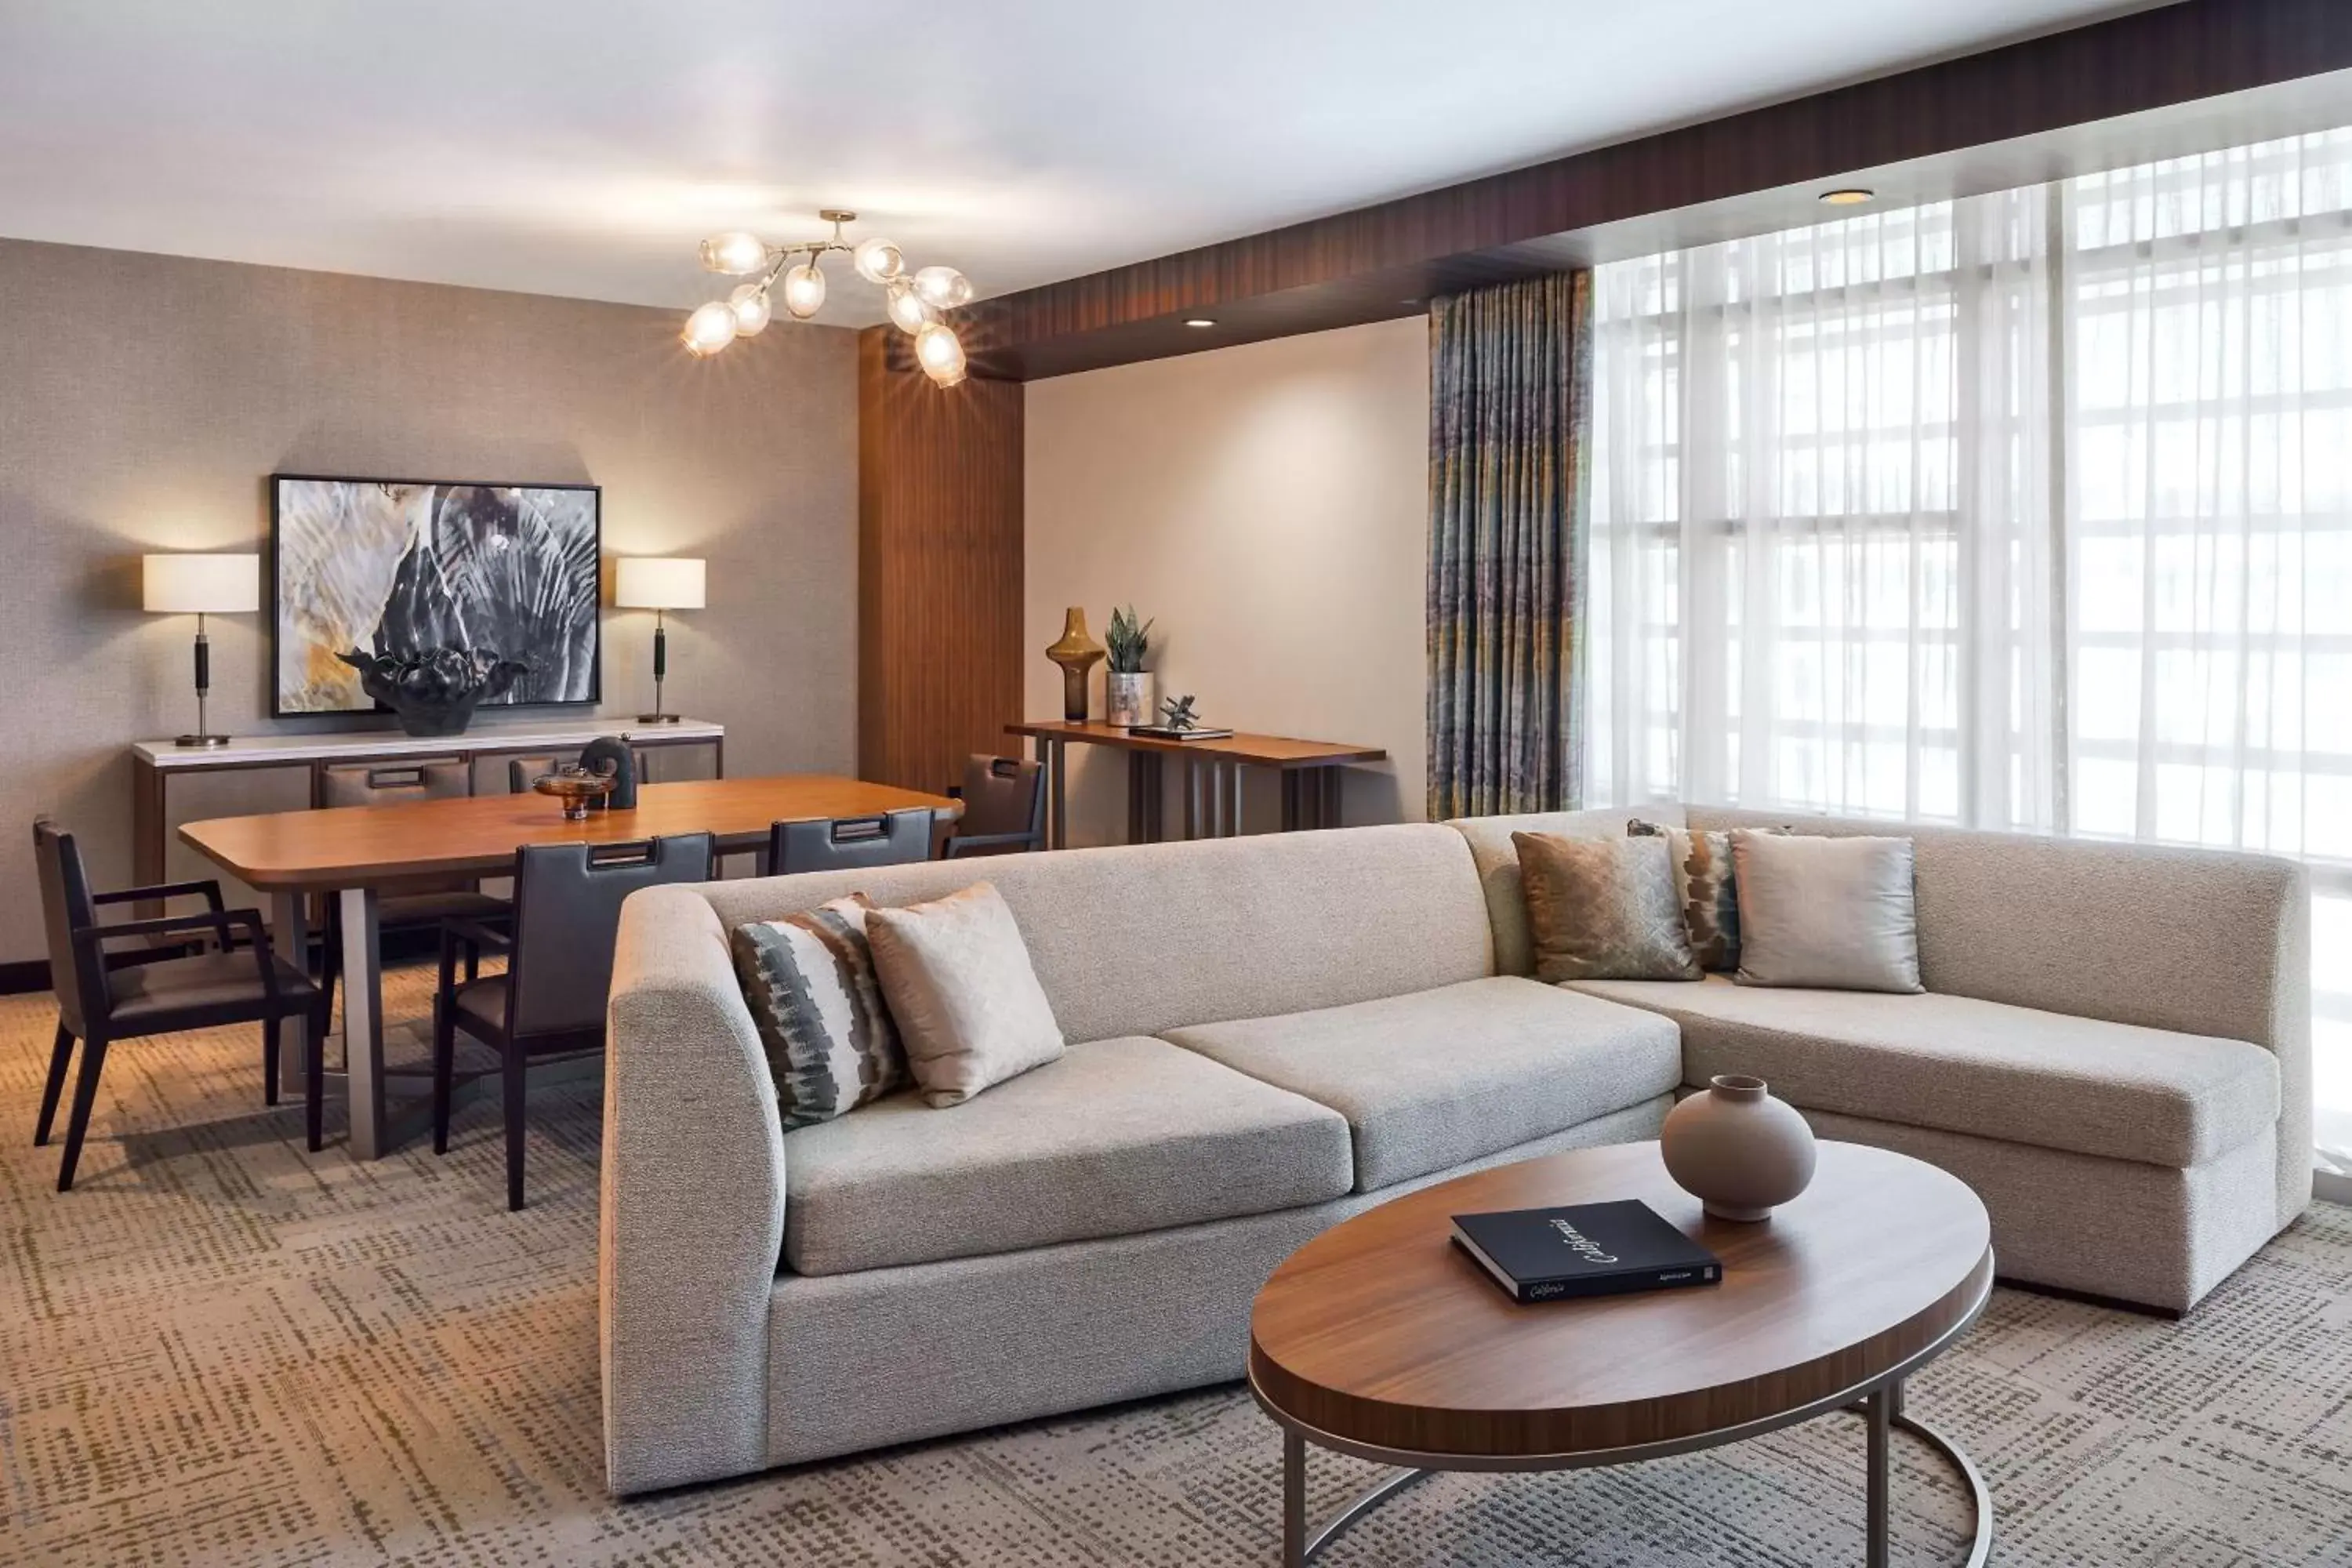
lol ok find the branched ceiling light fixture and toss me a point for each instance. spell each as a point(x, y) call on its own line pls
point(917, 300)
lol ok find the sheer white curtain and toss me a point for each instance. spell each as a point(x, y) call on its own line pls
point(2032, 510)
point(1820, 559)
point(2208, 428)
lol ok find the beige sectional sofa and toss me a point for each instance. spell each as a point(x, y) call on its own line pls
point(1270, 1034)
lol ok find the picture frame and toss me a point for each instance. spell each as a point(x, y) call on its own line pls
point(402, 564)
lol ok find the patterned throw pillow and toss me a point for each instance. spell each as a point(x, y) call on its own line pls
point(809, 981)
point(1704, 887)
point(1602, 908)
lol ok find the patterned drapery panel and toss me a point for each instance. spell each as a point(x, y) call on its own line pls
point(1510, 374)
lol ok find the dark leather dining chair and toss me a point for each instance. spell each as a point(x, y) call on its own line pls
point(457, 897)
point(100, 1002)
point(894, 838)
point(550, 1000)
point(521, 771)
point(1004, 808)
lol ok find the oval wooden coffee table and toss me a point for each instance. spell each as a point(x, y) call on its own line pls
point(1381, 1339)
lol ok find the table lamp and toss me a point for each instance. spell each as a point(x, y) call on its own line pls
point(659, 584)
point(200, 585)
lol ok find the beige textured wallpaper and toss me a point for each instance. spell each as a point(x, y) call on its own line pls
point(1269, 505)
point(144, 400)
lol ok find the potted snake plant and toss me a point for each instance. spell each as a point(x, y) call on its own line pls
point(1126, 685)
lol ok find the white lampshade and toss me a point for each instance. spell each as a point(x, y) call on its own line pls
point(202, 585)
point(657, 583)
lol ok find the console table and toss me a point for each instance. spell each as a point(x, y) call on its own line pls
point(1213, 776)
point(154, 764)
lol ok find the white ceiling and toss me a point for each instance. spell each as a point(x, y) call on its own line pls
point(581, 147)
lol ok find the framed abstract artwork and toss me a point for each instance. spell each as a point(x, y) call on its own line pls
point(401, 568)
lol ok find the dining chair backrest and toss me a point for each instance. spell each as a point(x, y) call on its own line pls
point(567, 902)
point(398, 784)
point(394, 784)
point(65, 906)
point(846, 843)
point(522, 771)
point(1001, 795)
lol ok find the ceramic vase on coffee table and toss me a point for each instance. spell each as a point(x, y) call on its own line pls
point(1739, 1151)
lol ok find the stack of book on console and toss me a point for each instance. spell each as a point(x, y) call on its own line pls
point(1584, 1250)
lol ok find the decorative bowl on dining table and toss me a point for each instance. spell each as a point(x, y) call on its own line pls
point(576, 787)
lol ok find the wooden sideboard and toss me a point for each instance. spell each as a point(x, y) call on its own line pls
point(155, 765)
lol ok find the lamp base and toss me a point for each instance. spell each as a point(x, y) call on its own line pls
point(200, 739)
point(661, 717)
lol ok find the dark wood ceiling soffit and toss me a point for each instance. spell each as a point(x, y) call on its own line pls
point(2180, 78)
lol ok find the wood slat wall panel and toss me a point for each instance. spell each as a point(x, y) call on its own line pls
point(2164, 67)
point(938, 569)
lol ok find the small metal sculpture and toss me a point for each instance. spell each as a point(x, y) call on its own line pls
point(1176, 713)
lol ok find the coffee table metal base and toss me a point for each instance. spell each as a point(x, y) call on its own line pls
point(1878, 1402)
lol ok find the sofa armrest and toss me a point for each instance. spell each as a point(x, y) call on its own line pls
point(693, 1205)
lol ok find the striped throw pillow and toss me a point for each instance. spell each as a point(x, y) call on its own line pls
point(809, 981)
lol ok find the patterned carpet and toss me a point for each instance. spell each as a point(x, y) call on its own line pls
point(221, 1350)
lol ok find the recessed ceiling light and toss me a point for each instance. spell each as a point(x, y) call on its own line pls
point(1849, 198)
point(1200, 321)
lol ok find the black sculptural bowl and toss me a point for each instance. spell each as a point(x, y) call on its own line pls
point(436, 691)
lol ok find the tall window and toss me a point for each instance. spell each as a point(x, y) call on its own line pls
point(1787, 607)
point(2032, 510)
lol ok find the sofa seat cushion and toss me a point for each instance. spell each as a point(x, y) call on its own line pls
point(1109, 1139)
point(1434, 1077)
point(1961, 1065)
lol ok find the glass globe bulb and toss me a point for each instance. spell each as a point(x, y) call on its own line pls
point(941, 353)
point(803, 290)
point(943, 287)
point(709, 329)
point(909, 309)
point(749, 303)
point(736, 253)
point(878, 260)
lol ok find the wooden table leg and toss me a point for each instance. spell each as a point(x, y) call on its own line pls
point(363, 1022)
point(1327, 813)
point(1233, 799)
point(1059, 771)
point(1192, 798)
point(289, 937)
point(1144, 823)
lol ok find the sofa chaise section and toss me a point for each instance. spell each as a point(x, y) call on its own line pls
point(2113, 1049)
point(2118, 1092)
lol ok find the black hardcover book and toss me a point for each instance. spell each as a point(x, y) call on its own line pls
point(1584, 1250)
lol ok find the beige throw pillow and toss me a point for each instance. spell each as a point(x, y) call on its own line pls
point(1836, 913)
point(961, 991)
point(1602, 909)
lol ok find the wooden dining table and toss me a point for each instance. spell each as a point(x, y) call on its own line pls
point(357, 854)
